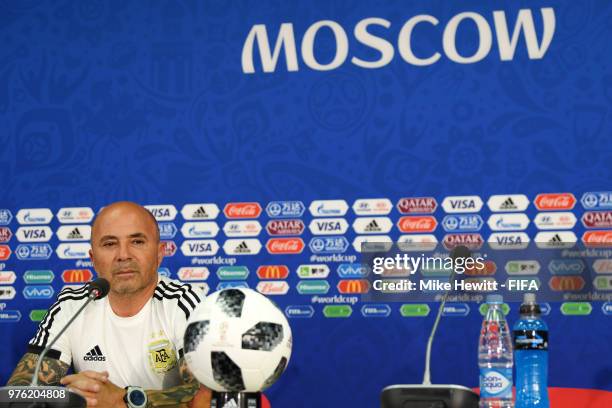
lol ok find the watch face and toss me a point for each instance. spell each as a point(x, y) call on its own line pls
point(137, 397)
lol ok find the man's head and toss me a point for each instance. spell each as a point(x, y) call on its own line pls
point(125, 247)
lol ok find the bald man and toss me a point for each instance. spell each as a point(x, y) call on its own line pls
point(127, 348)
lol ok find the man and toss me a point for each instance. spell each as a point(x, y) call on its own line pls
point(128, 345)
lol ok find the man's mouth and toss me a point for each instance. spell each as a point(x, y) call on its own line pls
point(125, 273)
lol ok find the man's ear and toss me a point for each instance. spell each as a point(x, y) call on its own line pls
point(160, 253)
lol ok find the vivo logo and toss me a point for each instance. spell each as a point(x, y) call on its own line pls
point(38, 292)
point(566, 266)
point(496, 32)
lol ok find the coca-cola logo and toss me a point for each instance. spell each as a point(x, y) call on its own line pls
point(285, 245)
point(555, 201)
point(242, 210)
point(597, 238)
point(417, 224)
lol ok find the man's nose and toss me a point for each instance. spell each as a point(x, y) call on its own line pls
point(124, 252)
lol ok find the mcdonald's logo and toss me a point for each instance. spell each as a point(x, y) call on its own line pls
point(566, 283)
point(353, 286)
point(273, 272)
point(77, 275)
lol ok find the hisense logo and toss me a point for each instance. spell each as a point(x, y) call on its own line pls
point(507, 41)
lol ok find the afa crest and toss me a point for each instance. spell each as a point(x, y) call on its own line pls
point(162, 357)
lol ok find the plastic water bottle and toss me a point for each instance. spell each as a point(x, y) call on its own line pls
point(531, 355)
point(495, 357)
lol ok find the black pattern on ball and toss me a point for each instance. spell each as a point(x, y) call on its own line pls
point(277, 372)
point(194, 334)
point(226, 372)
point(263, 336)
point(230, 301)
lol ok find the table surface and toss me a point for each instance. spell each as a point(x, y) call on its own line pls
point(577, 398)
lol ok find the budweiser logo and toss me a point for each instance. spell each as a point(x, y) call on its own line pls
point(285, 245)
point(597, 238)
point(242, 210)
point(417, 224)
point(558, 201)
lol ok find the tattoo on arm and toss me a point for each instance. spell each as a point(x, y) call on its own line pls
point(51, 371)
point(177, 396)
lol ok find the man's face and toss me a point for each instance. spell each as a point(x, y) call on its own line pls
point(125, 248)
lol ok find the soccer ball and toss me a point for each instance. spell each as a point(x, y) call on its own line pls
point(237, 340)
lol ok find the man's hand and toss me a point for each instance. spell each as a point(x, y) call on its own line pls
point(95, 388)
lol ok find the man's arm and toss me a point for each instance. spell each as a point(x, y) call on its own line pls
point(51, 370)
point(176, 396)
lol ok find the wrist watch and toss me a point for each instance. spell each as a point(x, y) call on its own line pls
point(135, 397)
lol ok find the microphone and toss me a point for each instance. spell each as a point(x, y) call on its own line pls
point(97, 290)
point(49, 396)
point(460, 251)
point(100, 287)
point(426, 394)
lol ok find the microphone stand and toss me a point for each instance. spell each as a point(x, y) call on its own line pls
point(50, 396)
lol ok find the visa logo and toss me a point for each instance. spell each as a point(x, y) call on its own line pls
point(328, 226)
point(463, 204)
point(35, 233)
point(38, 292)
point(200, 247)
point(160, 212)
point(509, 240)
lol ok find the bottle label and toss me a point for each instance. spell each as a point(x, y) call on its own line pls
point(530, 339)
point(496, 382)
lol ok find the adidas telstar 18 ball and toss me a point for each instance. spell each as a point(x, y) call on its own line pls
point(237, 340)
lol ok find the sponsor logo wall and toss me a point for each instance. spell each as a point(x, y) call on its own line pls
point(289, 248)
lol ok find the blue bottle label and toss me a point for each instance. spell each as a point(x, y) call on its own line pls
point(530, 339)
point(496, 382)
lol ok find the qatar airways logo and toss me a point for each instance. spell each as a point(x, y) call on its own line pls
point(507, 40)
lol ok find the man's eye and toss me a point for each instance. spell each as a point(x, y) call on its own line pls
point(138, 241)
point(108, 244)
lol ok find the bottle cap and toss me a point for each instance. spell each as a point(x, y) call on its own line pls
point(495, 299)
point(529, 306)
point(529, 298)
